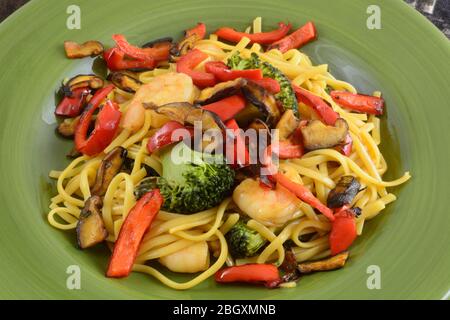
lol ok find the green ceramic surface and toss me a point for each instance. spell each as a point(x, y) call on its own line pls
point(407, 59)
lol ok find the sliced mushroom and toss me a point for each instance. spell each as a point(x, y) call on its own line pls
point(317, 135)
point(184, 112)
point(125, 81)
point(82, 80)
point(109, 167)
point(157, 42)
point(344, 192)
point(179, 49)
point(264, 100)
point(91, 228)
point(335, 262)
point(89, 48)
point(221, 91)
point(246, 116)
point(67, 127)
point(287, 124)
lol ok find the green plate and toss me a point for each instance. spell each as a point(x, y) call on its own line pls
point(407, 59)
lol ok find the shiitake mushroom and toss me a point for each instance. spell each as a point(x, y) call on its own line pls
point(344, 192)
point(81, 81)
point(109, 167)
point(125, 81)
point(221, 91)
point(263, 100)
point(91, 228)
point(186, 113)
point(317, 135)
point(90, 48)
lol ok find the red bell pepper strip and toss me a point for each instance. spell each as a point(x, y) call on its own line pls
point(232, 35)
point(106, 124)
point(226, 108)
point(115, 61)
point(223, 73)
point(287, 150)
point(296, 39)
point(303, 194)
point(249, 273)
point(189, 61)
point(343, 231)
point(347, 147)
point(236, 151)
point(323, 110)
point(269, 84)
point(159, 51)
point(284, 150)
point(199, 30)
point(359, 102)
point(72, 106)
point(163, 136)
point(133, 229)
point(129, 50)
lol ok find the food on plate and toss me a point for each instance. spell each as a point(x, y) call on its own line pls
point(226, 155)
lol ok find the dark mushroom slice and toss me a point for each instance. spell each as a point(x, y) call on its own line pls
point(67, 127)
point(287, 124)
point(246, 116)
point(81, 81)
point(221, 91)
point(186, 113)
point(109, 167)
point(333, 263)
point(158, 42)
point(90, 48)
point(317, 135)
point(125, 81)
point(91, 228)
point(264, 101)
point(344, 192)
point(184, 46)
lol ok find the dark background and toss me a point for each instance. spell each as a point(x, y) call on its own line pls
point(438, 11)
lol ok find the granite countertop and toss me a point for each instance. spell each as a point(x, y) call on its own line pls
point(437, 11)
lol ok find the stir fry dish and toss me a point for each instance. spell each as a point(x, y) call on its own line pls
point(223, 154)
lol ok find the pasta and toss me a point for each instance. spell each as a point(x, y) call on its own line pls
point(318, 170)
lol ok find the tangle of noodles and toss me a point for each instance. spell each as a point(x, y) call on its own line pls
point(318, 170)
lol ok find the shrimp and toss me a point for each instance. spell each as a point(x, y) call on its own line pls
point(166, 88)
point(192, 259)
point(269, 207)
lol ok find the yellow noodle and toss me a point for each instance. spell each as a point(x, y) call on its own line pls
point(192, 283)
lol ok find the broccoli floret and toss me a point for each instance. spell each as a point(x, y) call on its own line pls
point(286, 96)
point(235, 62)
point(243, 241)
point(190, 184)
